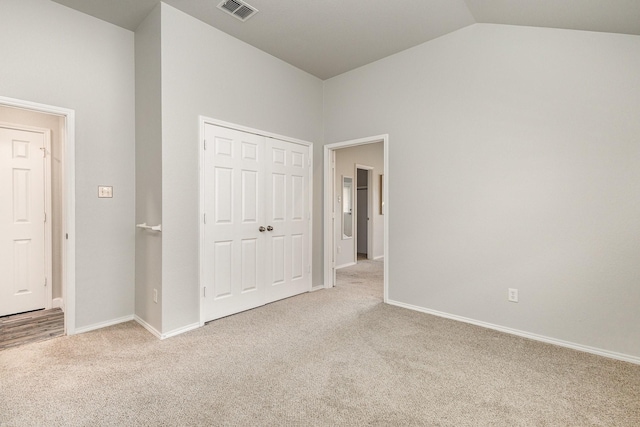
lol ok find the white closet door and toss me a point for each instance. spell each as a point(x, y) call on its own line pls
point(22, 229)
point(234, 208)
point(256, 233)
point(288, 259)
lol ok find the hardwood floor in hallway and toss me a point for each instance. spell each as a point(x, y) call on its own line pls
point(33, 326)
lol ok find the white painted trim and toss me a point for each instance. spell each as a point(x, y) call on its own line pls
point(68, 203)
point(329, 232)
point(48, 209)
point(101, 325)
point(142, 323)
point(310, 195)
point(254, 131)
point(181, 330)
point(316, 288)
point(58, 303)
point(147, 326)
point(203, 121)
point(529, 335)
point(328, 214)
point(348, 264)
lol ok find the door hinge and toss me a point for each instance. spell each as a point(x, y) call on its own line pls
point(204, 218)
point(205, 144)
point(45, 217)
point(66, 236)
point(204, 292)
point(309, 161)
point(45, 281)
point(309, 269)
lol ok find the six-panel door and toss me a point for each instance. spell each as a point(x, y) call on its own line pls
point(256, 224)
point(287, 256)
point(22, 230)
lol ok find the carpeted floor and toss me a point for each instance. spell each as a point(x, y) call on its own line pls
point(331, 357)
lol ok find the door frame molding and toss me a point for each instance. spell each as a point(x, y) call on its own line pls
point(329, 183)
point(48, 242)
point(203, 121)
point(370, 232)
point(68, 202)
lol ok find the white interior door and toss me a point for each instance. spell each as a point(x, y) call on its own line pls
point(234, 209)
point(256, 229)
point(22, 221)
point(288, 260)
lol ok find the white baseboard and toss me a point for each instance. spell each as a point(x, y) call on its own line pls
point(173, 333)
point(378, 257)
point(182, 330)
point(147, 326)
point(103, 324)
point(349, 264)
point(57, 303)
point(316, 288)
point(535, 337)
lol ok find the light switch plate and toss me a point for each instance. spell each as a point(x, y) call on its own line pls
point(105, 192)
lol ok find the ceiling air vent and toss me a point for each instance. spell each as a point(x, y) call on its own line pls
point(238, 9)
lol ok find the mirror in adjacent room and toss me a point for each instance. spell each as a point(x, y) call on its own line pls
point(381, 196)
point(347, 207)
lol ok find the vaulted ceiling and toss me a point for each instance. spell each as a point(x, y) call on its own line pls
point(329, 37)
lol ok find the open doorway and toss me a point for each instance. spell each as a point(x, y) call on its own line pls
point(356, 219)
point(38, 143)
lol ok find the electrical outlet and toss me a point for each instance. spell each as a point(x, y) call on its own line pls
point(513, 295)
point(155, 296)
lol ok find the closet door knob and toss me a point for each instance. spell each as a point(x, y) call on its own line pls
point(269, 228)
point(261, 229)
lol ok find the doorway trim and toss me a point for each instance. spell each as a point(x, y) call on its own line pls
point(370, 237)
point(203, 121)
point(329, 214)
point(68, 203)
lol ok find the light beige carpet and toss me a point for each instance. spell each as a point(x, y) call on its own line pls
point(331, 357)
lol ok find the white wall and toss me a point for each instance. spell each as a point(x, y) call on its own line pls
point(346, 160)
point(57, 56)
point(514, 162)
point(148, 170)
point(207, 72)
point(55, 124)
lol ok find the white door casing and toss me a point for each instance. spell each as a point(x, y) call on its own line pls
point(256, 221)
point(67, 153)
point(330, 244)
point(25, 231)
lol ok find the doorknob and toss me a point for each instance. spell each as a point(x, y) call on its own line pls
point(261, 229)
point(269, 228)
